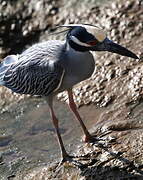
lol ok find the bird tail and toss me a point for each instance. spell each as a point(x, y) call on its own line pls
point(5, 64)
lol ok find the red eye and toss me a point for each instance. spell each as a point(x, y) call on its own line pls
point(92, 43)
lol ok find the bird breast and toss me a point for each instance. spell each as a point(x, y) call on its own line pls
point(78, 66)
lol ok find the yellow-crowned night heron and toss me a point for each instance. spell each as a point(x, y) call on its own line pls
point(50, 67)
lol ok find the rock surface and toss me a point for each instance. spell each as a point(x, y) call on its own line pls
point(116, 85)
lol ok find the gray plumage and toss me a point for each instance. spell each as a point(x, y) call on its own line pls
point(45, 68)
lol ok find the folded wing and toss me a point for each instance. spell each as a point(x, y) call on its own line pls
point(34, 77)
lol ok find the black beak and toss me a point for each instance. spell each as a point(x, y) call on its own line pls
point(108, 45)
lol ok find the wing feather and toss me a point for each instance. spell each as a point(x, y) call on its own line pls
point(35, 77)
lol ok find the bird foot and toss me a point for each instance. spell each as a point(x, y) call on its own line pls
point(89, 139)
point(66, 158)
point(69, 161)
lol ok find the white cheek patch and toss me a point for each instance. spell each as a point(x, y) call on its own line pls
point(77, 41)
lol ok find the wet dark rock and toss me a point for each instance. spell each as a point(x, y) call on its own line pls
point(22, 23)
point(5, 140)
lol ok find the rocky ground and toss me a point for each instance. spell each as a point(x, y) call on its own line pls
point(116, 85)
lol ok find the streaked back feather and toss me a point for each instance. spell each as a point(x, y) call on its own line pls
point(5, 64)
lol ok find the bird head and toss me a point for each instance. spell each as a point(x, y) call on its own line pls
point(85, 37)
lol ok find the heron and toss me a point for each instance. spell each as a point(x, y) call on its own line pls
point(50, 67)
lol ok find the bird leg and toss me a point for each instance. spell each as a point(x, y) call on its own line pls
point(72, 105)
point(65, 157)
point(64, 154)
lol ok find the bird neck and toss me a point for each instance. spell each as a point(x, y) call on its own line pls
point(75, 55)
point(76, 48)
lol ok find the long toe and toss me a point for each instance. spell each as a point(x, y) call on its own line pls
point(69, 161)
